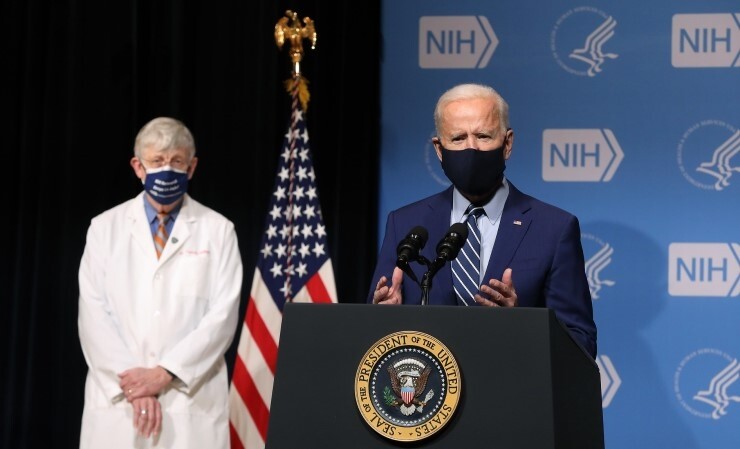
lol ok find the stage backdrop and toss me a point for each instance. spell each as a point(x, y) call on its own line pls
point(627, 115)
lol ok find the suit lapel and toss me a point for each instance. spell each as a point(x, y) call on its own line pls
point(512, 228)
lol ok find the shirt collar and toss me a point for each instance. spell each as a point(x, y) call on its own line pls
point(493, 207)
point(151, 212)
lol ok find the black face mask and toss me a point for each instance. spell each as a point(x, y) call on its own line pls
point(472, 171)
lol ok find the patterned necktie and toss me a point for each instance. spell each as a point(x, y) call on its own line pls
point(160, 238)
point(466, 267)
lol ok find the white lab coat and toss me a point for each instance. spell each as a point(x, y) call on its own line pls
point(179, 312)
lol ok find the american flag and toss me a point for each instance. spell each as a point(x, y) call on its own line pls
point(293, 266)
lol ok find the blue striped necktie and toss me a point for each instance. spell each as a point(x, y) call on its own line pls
point(466, 267)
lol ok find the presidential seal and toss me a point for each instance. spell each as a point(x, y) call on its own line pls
point(407, 386)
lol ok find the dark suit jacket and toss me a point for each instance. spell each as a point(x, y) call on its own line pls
point(539, 242)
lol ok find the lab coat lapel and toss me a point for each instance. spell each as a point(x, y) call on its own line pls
point(180, 232)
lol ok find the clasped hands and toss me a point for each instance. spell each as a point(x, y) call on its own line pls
point(142, 386)
point(497, 293)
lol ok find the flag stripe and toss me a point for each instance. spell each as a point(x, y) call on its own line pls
point(249, 354)
point(249, 394)
point(267, 345)
point(316, 289)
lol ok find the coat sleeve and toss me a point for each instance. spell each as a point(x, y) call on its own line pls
point(567, 291)
point(386, 258)
point(99, 330)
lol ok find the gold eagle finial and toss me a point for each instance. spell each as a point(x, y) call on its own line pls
point(289, 28)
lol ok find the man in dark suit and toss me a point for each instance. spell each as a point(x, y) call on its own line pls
point(529, 252)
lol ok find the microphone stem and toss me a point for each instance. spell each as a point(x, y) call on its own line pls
point(426, 280)
point(426, 286)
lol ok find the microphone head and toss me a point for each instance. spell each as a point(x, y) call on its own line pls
point(408, 249)
point(419, 233)
point(453, 241)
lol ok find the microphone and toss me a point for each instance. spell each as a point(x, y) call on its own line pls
point(453, 241)
point(409, 248)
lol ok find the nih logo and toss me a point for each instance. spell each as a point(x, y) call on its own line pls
point(455, 42)
point(705, 40)
point(704, 269)
point(585, 155)
point(610, 380)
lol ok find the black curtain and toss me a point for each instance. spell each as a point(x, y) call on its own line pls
point(78, 80)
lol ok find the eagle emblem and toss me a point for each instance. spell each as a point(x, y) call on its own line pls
point(408, 381)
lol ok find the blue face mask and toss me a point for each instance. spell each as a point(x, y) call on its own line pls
point(472, 171)
point(165, 184)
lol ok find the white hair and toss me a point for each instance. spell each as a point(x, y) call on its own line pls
point(469, 92)
point(162, 134)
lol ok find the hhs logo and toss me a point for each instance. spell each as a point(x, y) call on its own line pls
point(588, 30)
point(706, 385)
point(709, 154)
point(455, 42)
point(601, 257)
point(706, 40)
point(704, 269)
point(585, 155)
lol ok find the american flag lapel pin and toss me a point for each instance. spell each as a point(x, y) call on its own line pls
point(517, 222)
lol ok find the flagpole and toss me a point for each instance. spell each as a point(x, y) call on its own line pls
point(293, 265)
point(289, 29)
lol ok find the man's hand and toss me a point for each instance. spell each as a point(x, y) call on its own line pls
point(498, 293)
point(141, 382)
point(385, 294)
point(147, 416)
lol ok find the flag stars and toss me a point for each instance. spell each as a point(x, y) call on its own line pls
point(307, 231)
point(271, 231)
point(302, 269)
point(286, 151)
point(320, 230)
point(280, 193)
point(285, 232)
point(318, 249)
point(309, 212)
point(303, 154)
point(311, 193)
point(284, 174)
point(298, 193)
point(301, 173)
point(305, 250)
point(266, 251)
point(305, 136)
point(280, 251)
point(312, 175)
point(286, 289)
point(275, 212)
point(276, 270)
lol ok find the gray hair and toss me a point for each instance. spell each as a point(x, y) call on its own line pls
point(162, 134)
point(469, 92)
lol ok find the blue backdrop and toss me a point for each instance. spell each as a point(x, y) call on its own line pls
point(625, 114)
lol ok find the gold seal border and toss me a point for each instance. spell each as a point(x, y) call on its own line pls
point(363, 379)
